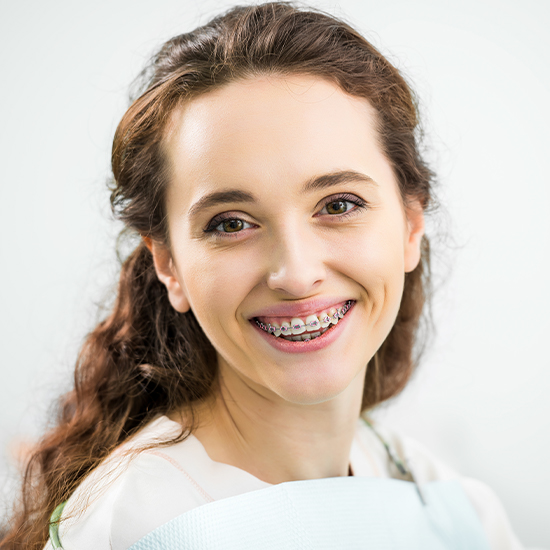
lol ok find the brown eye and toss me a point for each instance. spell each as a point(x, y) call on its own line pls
point(223, 227)
point(337, 207)
point(342, 206)
point(232, 226)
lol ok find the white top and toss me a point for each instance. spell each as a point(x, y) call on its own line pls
point(126, 498)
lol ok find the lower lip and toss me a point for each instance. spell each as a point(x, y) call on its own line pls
point(315, 344)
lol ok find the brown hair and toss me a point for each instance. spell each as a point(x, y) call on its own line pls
point(145, 358)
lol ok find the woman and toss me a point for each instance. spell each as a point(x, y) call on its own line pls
point(272, 169)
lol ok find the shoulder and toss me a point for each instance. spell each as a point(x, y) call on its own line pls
point(376, 448)
point(427, 467)
point(131, 494)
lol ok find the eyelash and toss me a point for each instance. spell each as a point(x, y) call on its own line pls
point(359, 204)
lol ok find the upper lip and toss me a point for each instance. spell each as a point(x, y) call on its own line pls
point(296, 309)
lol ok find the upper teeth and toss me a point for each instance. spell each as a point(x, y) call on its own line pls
point(312, 323)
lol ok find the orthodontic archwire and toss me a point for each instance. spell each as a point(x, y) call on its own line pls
point(340, 312)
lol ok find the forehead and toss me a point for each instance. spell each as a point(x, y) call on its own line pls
point(270, 132)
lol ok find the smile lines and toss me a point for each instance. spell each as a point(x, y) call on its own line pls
point(315, 326)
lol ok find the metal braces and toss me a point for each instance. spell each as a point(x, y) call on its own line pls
point(340, 312)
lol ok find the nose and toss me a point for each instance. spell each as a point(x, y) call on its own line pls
point(296, 263)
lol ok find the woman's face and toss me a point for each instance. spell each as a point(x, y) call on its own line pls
point(281, 206)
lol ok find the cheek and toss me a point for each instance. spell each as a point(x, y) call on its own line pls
point(216, 282)
point(374, 259)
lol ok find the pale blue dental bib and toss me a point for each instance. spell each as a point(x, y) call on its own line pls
point(345, 513)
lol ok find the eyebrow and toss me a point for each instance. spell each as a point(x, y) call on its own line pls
point(314, 184)
point(336, 178)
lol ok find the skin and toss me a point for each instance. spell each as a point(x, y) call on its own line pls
point(283, 416)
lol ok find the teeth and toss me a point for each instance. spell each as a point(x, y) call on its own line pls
point(303, 337)
point(306, 336)
point(324, 319)
point(275, 329)
point(285, 329)
point(297, 326)
point(312, 323)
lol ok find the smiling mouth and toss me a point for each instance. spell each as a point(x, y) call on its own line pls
point(298, 330)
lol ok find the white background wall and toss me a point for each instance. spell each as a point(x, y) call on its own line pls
point(482, 70)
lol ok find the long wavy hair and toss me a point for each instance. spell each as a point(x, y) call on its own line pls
point(146, 359)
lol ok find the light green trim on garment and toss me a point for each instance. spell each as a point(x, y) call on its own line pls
point(391, 453)
point(54, 526)
point(402, 466)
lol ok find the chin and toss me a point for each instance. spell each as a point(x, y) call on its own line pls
point(317, 387)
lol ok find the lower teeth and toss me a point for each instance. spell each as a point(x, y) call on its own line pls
point(305, 337)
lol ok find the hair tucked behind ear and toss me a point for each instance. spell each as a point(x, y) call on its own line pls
point(145, 358)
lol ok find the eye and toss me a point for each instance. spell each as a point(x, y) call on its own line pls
point(338, 207)
point(231, 226)
point(220, 225)
point(342, 205)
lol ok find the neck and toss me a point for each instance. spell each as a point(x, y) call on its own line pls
point(279, 441)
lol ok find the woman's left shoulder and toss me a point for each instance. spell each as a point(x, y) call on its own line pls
point(383, 442)
point(427, 467)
